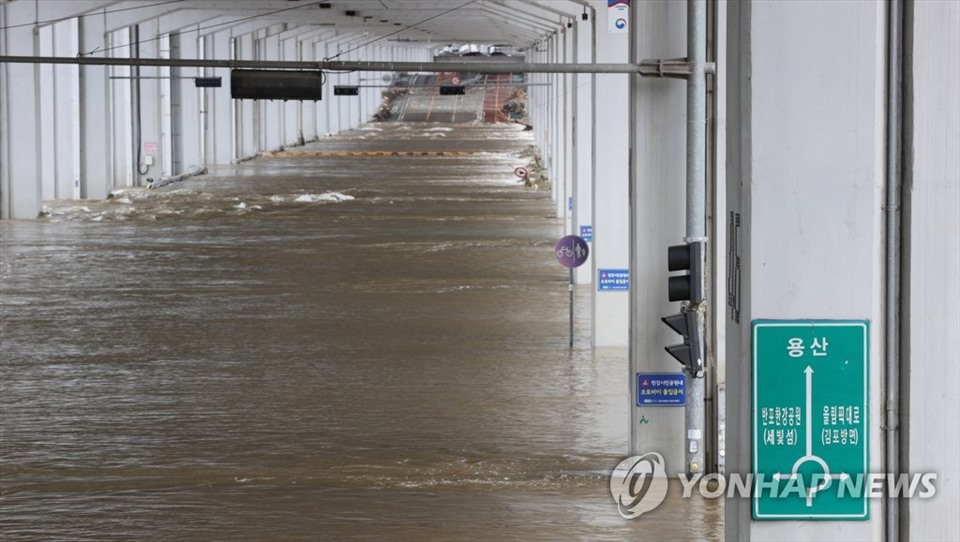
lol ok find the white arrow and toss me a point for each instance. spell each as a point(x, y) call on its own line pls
point(809, 372)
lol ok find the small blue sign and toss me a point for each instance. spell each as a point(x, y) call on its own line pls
point(613, 279)
point(661, 389)
point(586, 233)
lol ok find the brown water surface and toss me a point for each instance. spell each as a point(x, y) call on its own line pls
point(344, 348)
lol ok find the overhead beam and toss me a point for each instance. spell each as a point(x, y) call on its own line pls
point(648, 68)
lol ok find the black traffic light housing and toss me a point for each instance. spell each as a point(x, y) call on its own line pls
point(345, 90)
point(689, 354)
point(207, 82)
point(687, 287)
point(452, 90)
point(276, 85)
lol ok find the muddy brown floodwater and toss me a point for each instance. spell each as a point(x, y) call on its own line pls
point(313, 347)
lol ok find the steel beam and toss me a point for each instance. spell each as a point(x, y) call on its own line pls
point(644, 68)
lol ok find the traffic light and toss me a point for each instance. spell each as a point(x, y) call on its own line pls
point(276, 85)
point(207, 82)
point(689, 354)
point(343, 90)
point(687, 287)
point(452, 90)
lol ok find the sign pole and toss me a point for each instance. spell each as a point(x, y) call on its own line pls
point(570, 287)
point(572, 252)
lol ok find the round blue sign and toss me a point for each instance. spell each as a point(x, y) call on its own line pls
point(572, 251)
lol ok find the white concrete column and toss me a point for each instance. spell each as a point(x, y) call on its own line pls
point(120, 98)
point(190, 127)
point(323, 107)
point(272, 110)
point(567, 113)
point(247, 123)
point(151, 114)
point(220, 128)
point(48, 110)
point(20, 165)
point(308, 113)
point(95, 152)
point(610, 132)
point(292, 131)
point(65, 91)
point(931, 291)
point(806, 177)
point(582, 142)
point(555, 133)
point(658, 138)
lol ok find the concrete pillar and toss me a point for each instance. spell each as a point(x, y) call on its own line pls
point(273, 110)
point(121, 111)
point(323, 107)
point(151, 112)
point(48, 110)
point(308, 113)
point(931, 252)
point(343, 106)
point(554, 131)
point(246, 111)
point(582, 142)
point(219, 126)
point(95, 152)
point(610, 135)
point(658, 141)
point(806, 168)
point(66, 169)
point(292, 131)
point(20, 165)
point(190, 126)
point(567, 113)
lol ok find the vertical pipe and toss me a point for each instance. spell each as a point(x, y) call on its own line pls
point(892, 263)
point(570, 288)
point(696, 213)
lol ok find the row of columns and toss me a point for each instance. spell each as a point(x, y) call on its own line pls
point(795, 216)
point(80, 131)
point(581, 124)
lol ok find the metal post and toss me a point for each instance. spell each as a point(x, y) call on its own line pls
point(892, 264)
point(696, 214)
point(571, 307)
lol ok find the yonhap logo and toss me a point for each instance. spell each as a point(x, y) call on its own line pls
point(639, 484)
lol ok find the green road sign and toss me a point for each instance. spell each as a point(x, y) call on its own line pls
point(810, 419)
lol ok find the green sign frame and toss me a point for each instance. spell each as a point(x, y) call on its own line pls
point(811, 438)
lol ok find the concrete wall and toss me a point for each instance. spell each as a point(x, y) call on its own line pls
point(931, 290)
point(805, 175)
point(657, 181)
point(610, 178)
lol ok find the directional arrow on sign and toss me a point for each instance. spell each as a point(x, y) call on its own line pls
point(827, 477)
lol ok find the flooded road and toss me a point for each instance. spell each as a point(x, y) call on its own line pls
point(312, 347)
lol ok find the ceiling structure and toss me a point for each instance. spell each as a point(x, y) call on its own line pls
point(428, 23)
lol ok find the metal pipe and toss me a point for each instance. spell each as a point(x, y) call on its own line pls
point(348, 65)
point(696, 215)
point(894, 180)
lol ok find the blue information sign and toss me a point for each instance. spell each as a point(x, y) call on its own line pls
point(613, 279)
point(661, 389)
point(586, 233)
